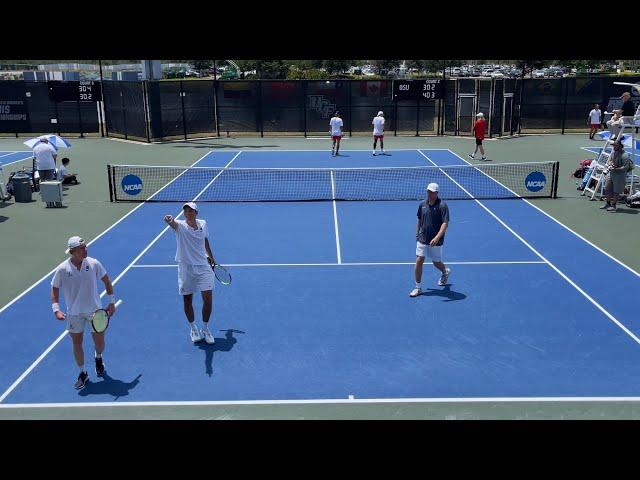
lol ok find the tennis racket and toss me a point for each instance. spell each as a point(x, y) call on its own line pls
point(221, 273)
point(100, 319)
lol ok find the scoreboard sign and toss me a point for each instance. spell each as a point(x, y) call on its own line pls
point(414, 89)
point(82, 91)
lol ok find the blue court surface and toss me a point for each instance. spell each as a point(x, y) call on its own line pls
point(319, 308)
point(8, 158)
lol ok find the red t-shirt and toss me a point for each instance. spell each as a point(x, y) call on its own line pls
point(480, 128)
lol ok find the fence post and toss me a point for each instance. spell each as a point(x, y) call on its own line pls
point(259, 109)
point(395, 117)
point(147, 113)
point(417, 116)
point(215, 103)
point(124, 113)
point(304, 106)
point(184, 119)
point(55, 107)
point(564, 85)
point(80, 119)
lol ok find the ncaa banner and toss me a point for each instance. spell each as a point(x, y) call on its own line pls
point(13, 107)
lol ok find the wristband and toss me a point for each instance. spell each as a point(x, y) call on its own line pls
point(55, 307)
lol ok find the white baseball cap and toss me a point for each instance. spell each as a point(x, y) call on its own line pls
point(191, 205)
point(74, 242)
point(479, 114)
point(380, 113)
point(433, 187)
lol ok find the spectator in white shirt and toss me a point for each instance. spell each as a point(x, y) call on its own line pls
point(45, 156)
point(64, 177)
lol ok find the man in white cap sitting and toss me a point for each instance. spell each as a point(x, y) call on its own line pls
point(194, 257)
point(433, 220)
point(378, 132)
point(479, 130)
point(78, 278)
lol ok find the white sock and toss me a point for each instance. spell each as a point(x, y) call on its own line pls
point(205, 327)
point(82, 369)
point(98, 355)
point(418, 285)
point(193, 325)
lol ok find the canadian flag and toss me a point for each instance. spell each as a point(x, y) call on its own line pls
point(370, 88)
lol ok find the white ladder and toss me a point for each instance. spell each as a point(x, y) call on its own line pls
point(595, 186)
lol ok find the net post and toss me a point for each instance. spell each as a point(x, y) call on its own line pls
point(556, 175)
point(110, 176)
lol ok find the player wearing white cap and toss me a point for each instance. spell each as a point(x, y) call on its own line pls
point(433, 220)
point(78, 278)
point(378, 131)
point(194, 258)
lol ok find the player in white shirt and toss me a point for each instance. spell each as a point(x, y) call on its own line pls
point(78, 278)
point(194, 258)
point(336, 125)
point(594, 120)
point(378, 131)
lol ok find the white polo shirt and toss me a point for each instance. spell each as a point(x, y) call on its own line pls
point(190, 243)
point(336, 126)
point(79, 287)
point(594, 115)
point(378, 125)
point(44, 153)
point(62, 171)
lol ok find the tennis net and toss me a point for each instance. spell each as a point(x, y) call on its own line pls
point(140, 183)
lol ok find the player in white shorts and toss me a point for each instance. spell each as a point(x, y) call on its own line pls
point(378, 131)
point(336, 125)
point(194, 257)
point(433, 220)
point(78, 278)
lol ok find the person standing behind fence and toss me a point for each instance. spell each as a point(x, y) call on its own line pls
point(45, 156)
point(479, 130)
point(594, 120)
point(336, 125)
point(378, 131)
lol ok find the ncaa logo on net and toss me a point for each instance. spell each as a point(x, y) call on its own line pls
point(535, 181)
point(132, 185)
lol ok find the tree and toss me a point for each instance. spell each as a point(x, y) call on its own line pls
point(336, 66)
point(201, 64)
point(383, 66)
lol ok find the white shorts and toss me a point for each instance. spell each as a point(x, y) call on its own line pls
point(77, 323)
point(194, 278)
point(424, 250)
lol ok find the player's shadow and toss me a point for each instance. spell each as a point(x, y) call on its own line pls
point(109, 386)
point(221, 345)
point(342, 155)
point(446, 292)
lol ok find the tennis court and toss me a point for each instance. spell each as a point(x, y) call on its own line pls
point(319, 311)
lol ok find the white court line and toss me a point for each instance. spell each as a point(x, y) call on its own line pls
point(323, 401)
point(573, 284)
point(89, 243)
point(113, 282)
point(562, 224)
point(343, 264)
point(335, 217)
point(15, 161)
point(590, 151)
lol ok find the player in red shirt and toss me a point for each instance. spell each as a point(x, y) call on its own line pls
point(479, 130)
